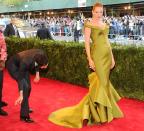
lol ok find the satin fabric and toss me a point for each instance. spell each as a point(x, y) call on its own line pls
point(99, 105)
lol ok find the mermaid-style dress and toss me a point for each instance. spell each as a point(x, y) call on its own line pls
point(99, 105)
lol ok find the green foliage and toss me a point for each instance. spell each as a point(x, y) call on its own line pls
point(128, 76)
point(13, 2)
point(67, 62)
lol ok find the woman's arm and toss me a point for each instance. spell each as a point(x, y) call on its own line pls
point(3, 50)
point(113, 61)
point(112, 56)
point(87, 33)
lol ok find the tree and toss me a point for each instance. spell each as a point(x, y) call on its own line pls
point(13, 2)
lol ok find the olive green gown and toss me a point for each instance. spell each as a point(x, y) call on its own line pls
point(99, 105)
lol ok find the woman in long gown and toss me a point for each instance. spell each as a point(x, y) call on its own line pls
point(99, 105)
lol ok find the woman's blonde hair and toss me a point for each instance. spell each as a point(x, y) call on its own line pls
point(97, 5)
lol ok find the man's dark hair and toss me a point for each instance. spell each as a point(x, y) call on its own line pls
point(43, 25)
point(41, 59)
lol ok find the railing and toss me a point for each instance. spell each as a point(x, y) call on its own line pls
point(131, 39)
point(69, 36)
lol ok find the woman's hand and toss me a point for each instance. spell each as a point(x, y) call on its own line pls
point(91, 64)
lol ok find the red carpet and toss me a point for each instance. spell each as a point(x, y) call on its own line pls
point(49, 95)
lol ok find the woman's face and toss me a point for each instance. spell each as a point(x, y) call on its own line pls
point(97, 13)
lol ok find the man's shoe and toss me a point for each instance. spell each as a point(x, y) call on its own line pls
point(2, 103)
point(30, 111)
point(26, 119)
point(3, 113)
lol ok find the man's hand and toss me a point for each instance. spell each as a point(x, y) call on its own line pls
point(36, 79)
point(2, 64)
point(19, 99)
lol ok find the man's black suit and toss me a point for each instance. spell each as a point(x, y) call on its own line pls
point(10, 31)
point(44, 33)
point(19, 67)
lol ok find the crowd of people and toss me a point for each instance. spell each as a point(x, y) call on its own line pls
point(128, 26)
point(62, 26)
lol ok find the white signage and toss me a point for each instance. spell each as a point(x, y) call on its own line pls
point(81, 3)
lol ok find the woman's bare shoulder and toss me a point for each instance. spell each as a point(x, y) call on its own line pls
point(87, 22)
